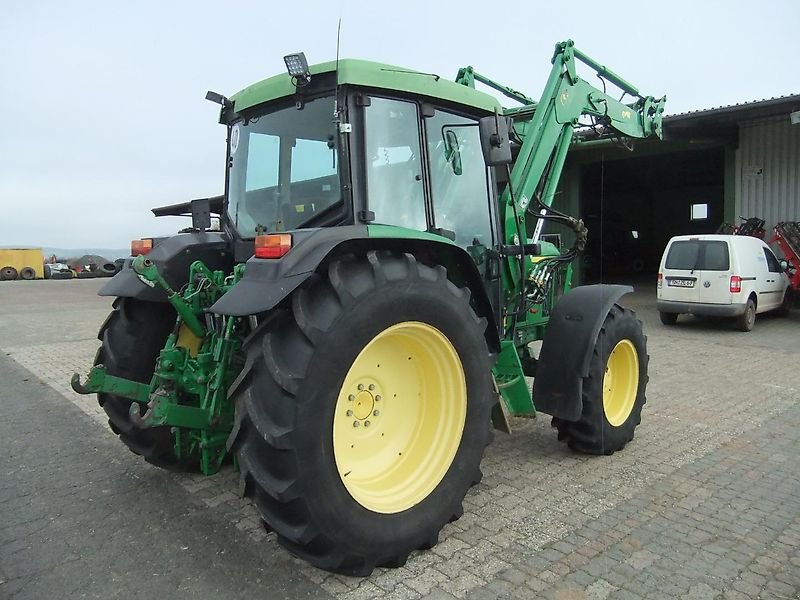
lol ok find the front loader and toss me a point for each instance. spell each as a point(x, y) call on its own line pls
point(365, 310)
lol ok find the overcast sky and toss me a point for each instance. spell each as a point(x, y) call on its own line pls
point(103, 115)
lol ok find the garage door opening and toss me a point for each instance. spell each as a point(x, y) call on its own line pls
point(632, 207)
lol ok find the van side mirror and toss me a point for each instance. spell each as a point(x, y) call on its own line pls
point(785, 265)
point(495, 142)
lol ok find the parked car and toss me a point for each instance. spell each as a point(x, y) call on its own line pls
point(721, 276)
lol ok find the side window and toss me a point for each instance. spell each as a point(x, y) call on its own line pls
point(459, 179)
point(262, 161)
point(394, 172)
point(772, 263)
point(312, 159)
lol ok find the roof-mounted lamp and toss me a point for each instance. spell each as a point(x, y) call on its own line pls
point(297, 65)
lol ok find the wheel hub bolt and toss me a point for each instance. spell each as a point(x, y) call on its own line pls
point(349, 413)
point(360, 386)
point(376, 413)
point(377, 398)
point(366, 423)
point(351, 397)
point(356, 423)
point(371, 387)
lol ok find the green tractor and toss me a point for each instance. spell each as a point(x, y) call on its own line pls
point(364, 312)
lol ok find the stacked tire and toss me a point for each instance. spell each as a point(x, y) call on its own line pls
point(8, 274)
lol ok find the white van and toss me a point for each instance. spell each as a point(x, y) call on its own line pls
point(721, 276)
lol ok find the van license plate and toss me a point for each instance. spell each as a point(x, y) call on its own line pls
point(686, 283)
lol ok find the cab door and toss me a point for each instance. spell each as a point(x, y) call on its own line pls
point(462, 202)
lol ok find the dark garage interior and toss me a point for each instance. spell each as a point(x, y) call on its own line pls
point(633, 206)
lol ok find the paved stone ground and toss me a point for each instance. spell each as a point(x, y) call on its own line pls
point(704, 503)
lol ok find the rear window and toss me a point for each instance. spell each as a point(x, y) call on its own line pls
point(701, 255)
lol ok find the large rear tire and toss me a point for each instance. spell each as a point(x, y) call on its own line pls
point(132, 338)
point(613, 391)
point(363, 412)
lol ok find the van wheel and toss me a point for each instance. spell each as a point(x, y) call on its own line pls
point(786, 306)
point(668, 318)
point(747, 319)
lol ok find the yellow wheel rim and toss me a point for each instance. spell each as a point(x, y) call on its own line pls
point(399, 417)
point(620, 383)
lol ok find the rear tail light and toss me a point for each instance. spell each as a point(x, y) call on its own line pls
point(139, 247)
point(274, 245)
point(736, 284)
point(660, 280)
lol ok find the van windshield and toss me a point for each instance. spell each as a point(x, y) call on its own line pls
point(702, 255)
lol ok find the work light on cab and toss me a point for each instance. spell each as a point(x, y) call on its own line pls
point(273, 245)
point(297, 65)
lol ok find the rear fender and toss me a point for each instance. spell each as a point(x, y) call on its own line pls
point(568, 345)
point(173, 257)
point(267, 282)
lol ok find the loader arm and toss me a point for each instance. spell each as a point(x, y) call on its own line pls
point(545, 130)
point(567, 97)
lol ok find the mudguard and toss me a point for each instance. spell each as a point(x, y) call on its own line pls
point(173, 256)
point(568, 345)
point(267, 282)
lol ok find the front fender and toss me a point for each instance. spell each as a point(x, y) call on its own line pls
point(568, 345)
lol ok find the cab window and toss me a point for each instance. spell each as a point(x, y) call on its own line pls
point(394, 172)
point(459, 179)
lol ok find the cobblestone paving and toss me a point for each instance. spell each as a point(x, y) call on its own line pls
point(704, 503)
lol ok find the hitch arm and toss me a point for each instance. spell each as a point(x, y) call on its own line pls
point(99, 381)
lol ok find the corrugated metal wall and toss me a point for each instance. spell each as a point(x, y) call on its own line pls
point(768, 170)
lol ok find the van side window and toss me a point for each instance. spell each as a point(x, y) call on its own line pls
point(772, 263)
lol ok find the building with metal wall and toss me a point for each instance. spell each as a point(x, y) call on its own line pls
point(712, 166)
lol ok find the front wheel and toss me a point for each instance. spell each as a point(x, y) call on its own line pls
point(613, 392)
point(786, 305)
point(363, 412)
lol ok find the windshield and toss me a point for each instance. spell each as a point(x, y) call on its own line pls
point(283, 168)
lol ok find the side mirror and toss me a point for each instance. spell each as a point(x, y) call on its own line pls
point(494, 140)
point(452, 151)
point(785, 265)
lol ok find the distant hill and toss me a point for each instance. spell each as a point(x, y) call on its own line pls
point(66, 253)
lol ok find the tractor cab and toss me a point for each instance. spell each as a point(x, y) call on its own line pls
point(363, 143)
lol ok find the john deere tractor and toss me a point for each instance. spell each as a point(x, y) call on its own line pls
point(366, 308)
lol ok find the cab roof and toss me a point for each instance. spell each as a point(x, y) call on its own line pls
point(370, 74)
